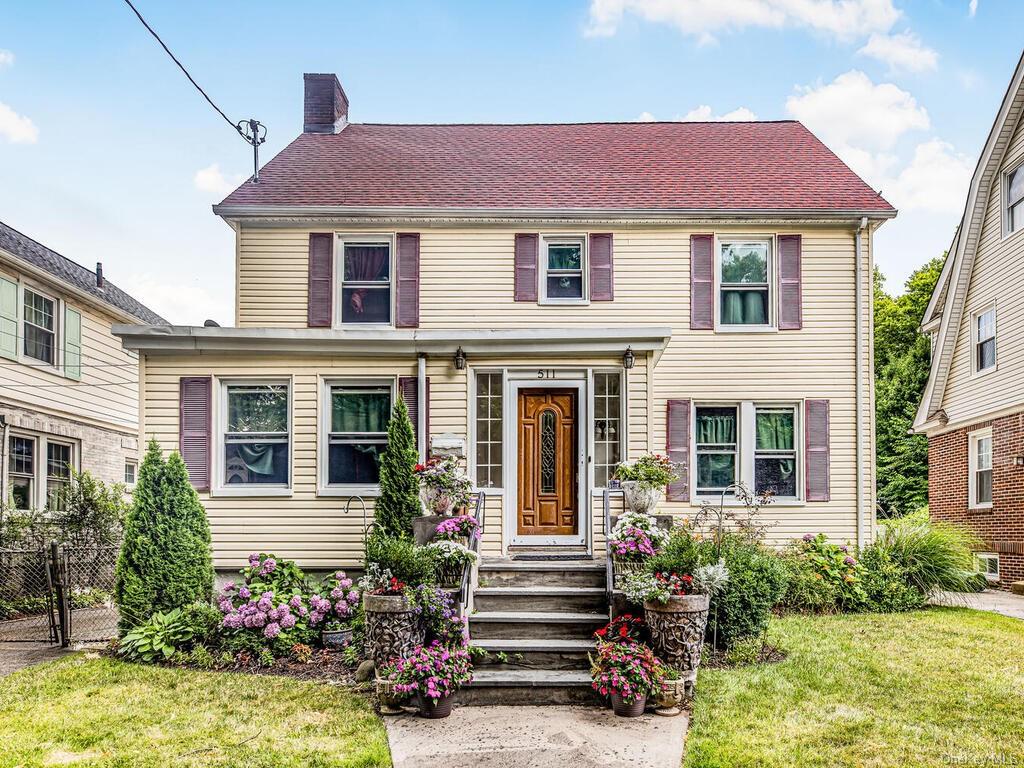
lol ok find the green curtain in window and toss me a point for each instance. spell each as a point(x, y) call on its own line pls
point(715, 470)
point(360, 411)
point(775, 431)
point(744, 308)
point(258, 458)
point(716, 428)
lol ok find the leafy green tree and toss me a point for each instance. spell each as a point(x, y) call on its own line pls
point(902, 356)
point(399, 500)
point(165, 558)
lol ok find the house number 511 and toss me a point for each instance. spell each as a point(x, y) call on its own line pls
point(546, 373)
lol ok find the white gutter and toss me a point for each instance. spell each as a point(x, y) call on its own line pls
point(421, 405)
point(859, 399)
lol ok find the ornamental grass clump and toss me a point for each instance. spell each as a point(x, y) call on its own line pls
point(629, 671)
point(434, 671)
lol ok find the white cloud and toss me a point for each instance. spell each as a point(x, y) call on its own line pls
point(211, 179)
point(704, 114)
point(6, 58)
point(972, 8)
point(645, 117)
point(179, 303)
point(16, 128)
point(903, 52)
point(843, 19)
point(935, 181)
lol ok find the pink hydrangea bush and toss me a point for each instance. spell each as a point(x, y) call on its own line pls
point(433, 671)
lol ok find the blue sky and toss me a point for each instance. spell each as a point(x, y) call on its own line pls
point(108, 154)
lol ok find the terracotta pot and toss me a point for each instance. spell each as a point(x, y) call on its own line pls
point(393, 629)
point(677, 631)
point(435, 710)
point(622, 709)
point(638, 499)
point(336, 638)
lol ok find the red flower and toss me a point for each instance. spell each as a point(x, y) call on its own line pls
point(623, 631)
point(602, 632)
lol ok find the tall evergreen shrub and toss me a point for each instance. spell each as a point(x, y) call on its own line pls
point(399, 500)
point(165, 558)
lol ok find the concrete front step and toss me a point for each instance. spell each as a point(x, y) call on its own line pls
point(521, 653)
point(526, 687)
point(553, 599)
point(540, 573)
point(534, 625)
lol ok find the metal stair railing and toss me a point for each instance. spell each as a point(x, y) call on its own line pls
point(474, 544)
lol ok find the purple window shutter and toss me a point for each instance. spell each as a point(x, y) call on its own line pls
point(702, 282)
point(526, 267)
point(602, 272)
point(410, 393)
point(816, 430)
point(195, 414)
point(321, 273)
point(408, 298)
point(790, 290)
point(678, 448)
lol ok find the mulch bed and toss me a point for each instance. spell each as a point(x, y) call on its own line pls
point(325, 666)
point(769, 654)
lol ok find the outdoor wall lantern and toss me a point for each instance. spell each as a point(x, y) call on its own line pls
point(460, 360)
point(628, 359)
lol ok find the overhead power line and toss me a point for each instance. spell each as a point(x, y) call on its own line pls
point(252, 130)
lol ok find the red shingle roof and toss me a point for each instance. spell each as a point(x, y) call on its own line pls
point(668, 166)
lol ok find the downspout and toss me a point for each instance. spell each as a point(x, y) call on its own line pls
point(859, 386)
point(4, 434)
point(422, 405)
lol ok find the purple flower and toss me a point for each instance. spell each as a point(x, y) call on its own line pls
point(254, 559)
point(296, 601)
point(844, 548)
point(353, 596)
point(808, 537)
point(272, 630)
point(287, 622)
point(244, 593)
point(232, 621)
point(225, 606)
point(344, 583)
point(229, 587)
point(268, 566)
point(849, 560)
point(337, 592)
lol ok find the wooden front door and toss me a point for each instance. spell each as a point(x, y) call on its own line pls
point(548, 482)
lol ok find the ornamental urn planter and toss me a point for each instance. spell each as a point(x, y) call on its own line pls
point(424, 528)
point(435, 710)
point(671, 698)
point(677, 632)
point(622, 709)
point(436, 501)
point(390, 700)
point(336, 639)
point(639, 498)
point(393, 628)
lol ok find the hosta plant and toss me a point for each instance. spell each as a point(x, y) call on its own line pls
point(158, 639)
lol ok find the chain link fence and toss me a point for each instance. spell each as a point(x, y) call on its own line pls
point(27, 602)
point(87, 581)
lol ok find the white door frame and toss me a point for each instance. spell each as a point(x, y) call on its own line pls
point(531, 379)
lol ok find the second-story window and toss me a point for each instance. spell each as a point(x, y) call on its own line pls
point(39, 327)
point(985, 340)
point(1015, 200)
point(564, 267)
point(366, 282)
point(744, 284)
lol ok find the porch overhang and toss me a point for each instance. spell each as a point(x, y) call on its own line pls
point(478, 343)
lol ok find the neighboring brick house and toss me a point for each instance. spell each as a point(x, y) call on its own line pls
point(973, 406)
point(549, 300)
point(69, 393)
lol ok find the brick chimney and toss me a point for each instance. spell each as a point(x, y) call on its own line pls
point(325, 109)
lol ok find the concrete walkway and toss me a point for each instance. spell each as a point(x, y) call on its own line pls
point(990, 600)
point(15, 656)
point(536, 737)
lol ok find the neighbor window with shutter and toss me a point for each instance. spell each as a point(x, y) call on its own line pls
point(980, 482)
point(563, 270)
point(255, 434)
point(39, 327)
point(1015, 200)
point(984, 329)
point(488, 429)
point(356, 415)
point(365, 267)
point(744, 273)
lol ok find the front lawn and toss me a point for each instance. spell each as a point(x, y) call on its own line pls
point(102, 712)
point(937, 687)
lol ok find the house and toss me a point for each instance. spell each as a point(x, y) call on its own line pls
point(973, 406)
point(69, 392)
point(549, 300)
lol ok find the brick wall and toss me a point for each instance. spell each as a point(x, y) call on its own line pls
point(1001, 527)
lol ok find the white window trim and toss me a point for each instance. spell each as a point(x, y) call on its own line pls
point(975, 371)
point(745, 449)
point(1005, 213)
point(324, 430)
point(39, 469)
point(555, 239)
point(991, 578)
point(338, 281)
point(972, 464)
point(58, 328)
point(773, 314)
point(135, 472)
point(220, 417)
point(471, 442)
point(598, 490)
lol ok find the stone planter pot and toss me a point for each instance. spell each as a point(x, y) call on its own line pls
point(436, 502)
point(424, 528)
point(336, 638)
point(638, 499)
point(670, 700)
point(622, 709)
point(390, 701)
point(393, 628)
point(622, 568)
point(435, 710)
point(677, 632)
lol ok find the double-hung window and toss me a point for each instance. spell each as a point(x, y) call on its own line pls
point(744, 283)
point(256, 435)
point(39, 327)
point(358, 414)
point(365, 293)
point(488, 430)
point(717, 440)
point(38, 468)
point(985, 340)
point(564, 270)
point(1015, 200)
point(22, 471)
point(980, 464)
point(58, 473)
point(607, 426)
point(775, 456)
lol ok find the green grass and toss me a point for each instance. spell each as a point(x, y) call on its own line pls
point(101, 712)
point(936, 687)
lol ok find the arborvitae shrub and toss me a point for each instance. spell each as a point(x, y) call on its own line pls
point(399, 500)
